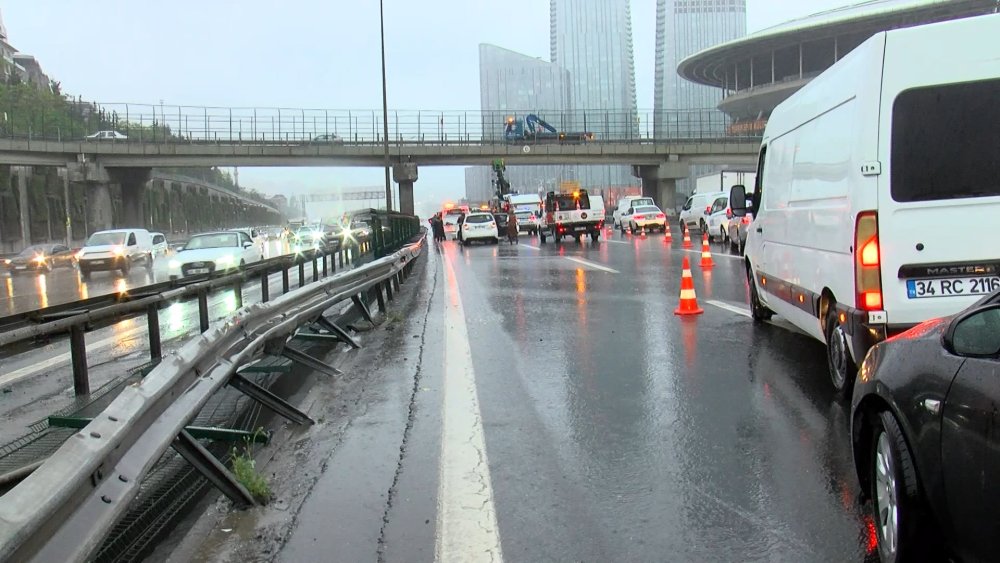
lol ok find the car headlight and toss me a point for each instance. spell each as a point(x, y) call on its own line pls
point(174, 264)
point(226, 260)
point(118, 251)
point(6, 261)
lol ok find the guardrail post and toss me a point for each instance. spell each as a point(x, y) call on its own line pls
point(315, 268)
point(78, 351)
point(264, 296)
point(302, 272)
point(388, 289)
point(153, 324)
point(378, 297)
point(203, 309)
point(325, 272)
point(238, 293)
point(284, 279)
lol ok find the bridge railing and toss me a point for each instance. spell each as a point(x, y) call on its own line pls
point(189, 124)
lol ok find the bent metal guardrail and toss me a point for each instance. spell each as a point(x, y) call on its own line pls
point(64, 508)
point(140, 123)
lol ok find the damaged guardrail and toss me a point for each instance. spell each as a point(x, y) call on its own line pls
point(63, 510)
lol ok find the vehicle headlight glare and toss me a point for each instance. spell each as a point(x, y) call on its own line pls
point(174, 264)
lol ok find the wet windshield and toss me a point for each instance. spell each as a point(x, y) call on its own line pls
point(220, 240)
point(101, 239)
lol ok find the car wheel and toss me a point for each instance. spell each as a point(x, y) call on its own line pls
point(743, 247)
point(541, 236)
point(631, 228)
point(576, 238)
point(85, 274)
point(758, 311)
point(723, 235)
point(703, 226)
point(126, 267)
point(595, 235)
point(896, 502)
point(838, 355)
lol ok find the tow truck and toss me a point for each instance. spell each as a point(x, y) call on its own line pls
point(569, 214)
point(532, 128)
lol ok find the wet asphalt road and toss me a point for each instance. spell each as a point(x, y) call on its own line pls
point(600, 427)
point(29, 291)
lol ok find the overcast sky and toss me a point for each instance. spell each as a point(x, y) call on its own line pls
point(309, 53)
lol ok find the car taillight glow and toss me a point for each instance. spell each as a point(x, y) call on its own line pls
point(729, 213)
point(745, 220)
point(661, 216)
point(640, 217)
point(867, 263)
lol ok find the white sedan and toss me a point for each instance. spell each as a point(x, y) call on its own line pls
point(107, 136)
point(213, 252)
point(478, 226)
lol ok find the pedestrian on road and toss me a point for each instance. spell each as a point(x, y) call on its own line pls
point(438, 227)
point(512, 228)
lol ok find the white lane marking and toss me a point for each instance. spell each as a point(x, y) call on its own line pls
point(730, 308)
point(715, 255)
point(466, 518)
point(528, 246)
point(45, 364)
point(617, 241)
point(590, 264)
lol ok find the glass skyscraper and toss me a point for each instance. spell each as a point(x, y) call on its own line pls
point(592, 39)
point(514, 84)
point(683, 28)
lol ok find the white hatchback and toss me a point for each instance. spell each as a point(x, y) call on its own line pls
point(479, 226)
point(718, 219)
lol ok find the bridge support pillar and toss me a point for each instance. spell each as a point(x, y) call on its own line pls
point(98, 212)
point(133, 183)
point(22, 173)
point(660, 181)
point(405, 175)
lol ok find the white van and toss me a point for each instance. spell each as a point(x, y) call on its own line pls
point(874, 182)
point(697, 208)
point(624, 203)
point(116, 249)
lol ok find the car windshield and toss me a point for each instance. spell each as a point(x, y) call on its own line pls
point(216, 240)
point(479, 218)
point(647, 209)
point(568, 202)
point(101, 239)
point(35, 250)
point(642, 201)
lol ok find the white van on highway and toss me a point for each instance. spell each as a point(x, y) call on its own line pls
point(876, 188)
point(116, 249)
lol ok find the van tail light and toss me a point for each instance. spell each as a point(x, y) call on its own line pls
point(729, 213)
point(867, 262)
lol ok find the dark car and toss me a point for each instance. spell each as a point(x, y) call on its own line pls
point(39, 258)
point(501, 220)
point(925, 427)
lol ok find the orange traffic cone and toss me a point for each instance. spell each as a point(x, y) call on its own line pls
point(666, 234)
point(687, 239)
point(643, 232)
point(706, 254)
point(689, 301)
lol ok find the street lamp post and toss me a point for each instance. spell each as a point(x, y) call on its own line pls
point(385, 113)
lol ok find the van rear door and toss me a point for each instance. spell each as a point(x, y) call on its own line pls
point(939, 196)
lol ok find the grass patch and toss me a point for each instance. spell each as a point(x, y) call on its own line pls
point(245, 470)
point(394, 317)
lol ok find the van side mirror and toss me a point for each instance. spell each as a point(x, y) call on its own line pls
point(247, 244)
point(975, 334)
point(738, 201)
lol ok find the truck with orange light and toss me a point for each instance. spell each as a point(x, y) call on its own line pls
point(569, 214)
point(534, 129)
point(871, 183)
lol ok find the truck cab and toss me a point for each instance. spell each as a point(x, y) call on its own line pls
point(570, 214)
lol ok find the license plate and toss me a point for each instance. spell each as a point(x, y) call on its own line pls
point(198, 271)
point(580, 229)
point(20, 267)
point(951, 287)
point(96, 262)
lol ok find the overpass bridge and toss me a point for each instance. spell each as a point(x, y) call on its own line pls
point(157, 136)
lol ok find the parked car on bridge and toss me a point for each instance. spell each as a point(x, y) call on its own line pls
point(331, 138)
point(107, 136)
point(116, 249)
point(40, 258)
point(212, 252)
point(923, 422)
